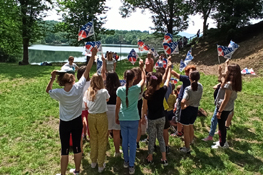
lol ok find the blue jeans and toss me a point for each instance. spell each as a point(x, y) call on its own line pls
point(213, 124)
point(129, 131)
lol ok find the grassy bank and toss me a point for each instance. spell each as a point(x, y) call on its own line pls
point(29, 139)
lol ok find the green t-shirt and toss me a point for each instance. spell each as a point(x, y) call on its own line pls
point(131, 113)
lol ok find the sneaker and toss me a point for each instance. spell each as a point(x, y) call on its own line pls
point(164, 162)
point(219, 146)
point(216, 143)
point(74, 171)
point(131, 170)
point(208, 138)
point(117, 154)
point(178, 134)
point(93, 165)
point(145, 140)
point(167, 149)
point(126, 164)
point(138, 145)
point(100, 169)
point(185, 150)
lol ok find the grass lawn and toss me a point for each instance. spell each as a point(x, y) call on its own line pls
point(29, 138)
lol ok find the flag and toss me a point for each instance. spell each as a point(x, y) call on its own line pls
point(132, 57)
point(155, 54)
point(168, 38)
point(99, 66)
point(161, 63)
point(123, 82)
point(90, 45)
point(248, 71)
point(174, 80)
point(182, 65)
point(86, 31)
point(142, 46)
point(188, 58)
point(171, 48)
point(224, 51)
point(233, 45)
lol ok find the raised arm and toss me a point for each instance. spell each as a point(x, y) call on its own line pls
point(90, 63)
point(103, 69)
point(144, 110)
point(141, 83)
point(226, 65)
point(169, 67)
point(52, 79)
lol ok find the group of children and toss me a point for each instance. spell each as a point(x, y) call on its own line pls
point(102, 105)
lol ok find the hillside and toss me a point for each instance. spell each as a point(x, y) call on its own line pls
point(249, 54)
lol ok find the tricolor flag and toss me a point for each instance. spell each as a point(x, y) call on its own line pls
point(90, 45)
point(155, 54)
point(174, 80)
point(143, 46)
point(224, 51)
point(168, 38)
point(248, 71)
point(171, 48)
point(86, 31)
point(161, 63)
point(99, 66)
point(187, 60)
point(123, 82)
point(132, 57)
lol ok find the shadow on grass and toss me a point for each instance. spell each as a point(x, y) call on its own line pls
point(244, 133)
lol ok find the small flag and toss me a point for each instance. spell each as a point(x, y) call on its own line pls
point(168, 38)
point(99, 66)
point(248, 71)
point(171, 48)
point(225, 52)
point(155, 54)
point(86, 31)
point(143, 46)
point(132, 57)
point(123, 82)
point(233, 45)
point(188, 58)
point(182, 65)
point(90, 45)
point(174, 80)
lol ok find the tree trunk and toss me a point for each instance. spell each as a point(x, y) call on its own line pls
point(204, 25)
point(170, 28)
point(25, 51)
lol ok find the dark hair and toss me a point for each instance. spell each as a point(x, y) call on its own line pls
point(138, 75)
point(195, 77)
point(128, 76)
point(148, 76)
point(154, 80)
point(112, 83)
point(160, 70)
point(234, 76)
point(173, 87)
point(65, 78)
point(81, 70)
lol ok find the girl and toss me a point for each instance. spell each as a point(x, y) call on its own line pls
point(70, 64)
point(153, 105)
point(127, 116)
point(149, 63)
point(110, 63)
point(70, 109)
point(96, 102)
point(189, 106)
point(225, 101)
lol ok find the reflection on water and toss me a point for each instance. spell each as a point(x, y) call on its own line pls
point(42, 53)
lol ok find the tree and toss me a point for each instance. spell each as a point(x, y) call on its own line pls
point(204, 7)
point(79, 12)
point(168, 16)
point(32, 11)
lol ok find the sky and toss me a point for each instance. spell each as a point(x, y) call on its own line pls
point(139, 21)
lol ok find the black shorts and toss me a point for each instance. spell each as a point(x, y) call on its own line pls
point(170, 115)
point(140, 107)
point(188, 115)
point(167, 123)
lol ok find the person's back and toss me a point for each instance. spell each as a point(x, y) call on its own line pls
point(193, 97)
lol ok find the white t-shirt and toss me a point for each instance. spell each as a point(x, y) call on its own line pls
point(70, 103)
point(99, 105)
point(73, 66)
point(110, 65)
point(84, 90)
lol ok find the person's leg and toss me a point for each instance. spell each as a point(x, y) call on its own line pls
point(166, 136)
point(191, 133)
point(116, 140)
point(152, 137)
point(125, 139)
point(178, 116)
point(102, 129)
point(213, 124)
point(64, 164)
point(165, 129)
point(139, 133)
point(139, 127)
point(229, 119)
point(92, 119)
point(187, 136)
point(159, 127)
point(222, 127)
point(76, 139)
point(133, 129)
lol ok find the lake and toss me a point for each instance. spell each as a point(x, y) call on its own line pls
point(48, 53)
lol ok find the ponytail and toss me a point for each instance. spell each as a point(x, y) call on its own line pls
point(127, 90)
point(195, 77)
point(128, 76)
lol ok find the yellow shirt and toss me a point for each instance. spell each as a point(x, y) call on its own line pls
point(165, 104)
point(171, 101)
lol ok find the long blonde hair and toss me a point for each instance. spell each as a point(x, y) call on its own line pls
point(96, 83)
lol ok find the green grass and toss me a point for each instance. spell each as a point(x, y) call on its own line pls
point(29, 139)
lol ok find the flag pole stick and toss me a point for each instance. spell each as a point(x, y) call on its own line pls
point(218, 59)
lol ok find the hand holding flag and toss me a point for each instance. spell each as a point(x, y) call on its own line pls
point(132, 57)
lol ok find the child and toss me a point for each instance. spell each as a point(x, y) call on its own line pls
point(110, 63)
point(189, 107)
point(149, 63)
point(153, 108)
point(71, 64)
point(171, 101)
point(96, 98)
point(127, 116)
point(70, 102)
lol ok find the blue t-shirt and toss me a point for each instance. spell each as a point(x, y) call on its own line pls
point(131, 113)
point(186, 82)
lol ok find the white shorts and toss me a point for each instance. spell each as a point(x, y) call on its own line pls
point(112, 125)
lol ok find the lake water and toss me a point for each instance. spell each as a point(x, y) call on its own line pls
point(42, 53)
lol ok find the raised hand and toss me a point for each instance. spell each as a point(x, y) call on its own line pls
point(141, 64)
point(94, 51)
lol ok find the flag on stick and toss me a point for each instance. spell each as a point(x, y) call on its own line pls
point(86, 31)
point(132, 57)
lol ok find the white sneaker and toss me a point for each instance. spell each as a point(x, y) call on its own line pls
point(216, 143)
point(73, 172)
point(100, 169)
point(93, 165)
point(126, 164)
point(185, 150)
point(131, 170)
point(219, 146)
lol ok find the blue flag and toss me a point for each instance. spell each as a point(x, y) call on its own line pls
point(171, 48)
point(99, 66)
point(86, 31)
point(132, 57)
point(90, 45)
point(182, 65)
